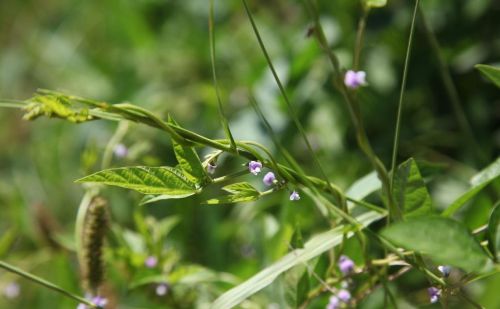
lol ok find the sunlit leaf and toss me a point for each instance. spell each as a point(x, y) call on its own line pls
point(313, 248)
point(189, 162)
point(164, 180)
point(375, 3)
point(240, 192)
point(491, 72)
point(410, 192)
point(444, 240)
point(478, 182)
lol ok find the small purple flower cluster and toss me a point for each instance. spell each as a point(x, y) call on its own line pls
point(255, 167)
point(343, 296)
point(97, 300)
point(354, 80)
point(151, 261)
point(435, 293)
point(11, 290)
point(162, 289)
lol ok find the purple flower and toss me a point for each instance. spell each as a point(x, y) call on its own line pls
point(151, 262)
point(162, 289)
point(211, 168)
point(346, 265)
point(434, 294)
point(294, 196)
point(445, 270)
point(334, 303)
point(355, 79)
point(255, 167)
point(120, 151)
point(344, 295)
point(97, 300)
point(269, 179)
point(11, 290)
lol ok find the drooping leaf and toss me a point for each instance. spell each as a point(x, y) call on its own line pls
point(444, 240)
point(240, 192)
point(313, 248)
point(189, 162)
point(296, 286)
point(478, 182)
point(54, 107)
point(493, 231)
point(410, 192)
point(163, 180)
point(375, 3)
point(491, 72)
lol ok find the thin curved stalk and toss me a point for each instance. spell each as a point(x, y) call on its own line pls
point(46, 284)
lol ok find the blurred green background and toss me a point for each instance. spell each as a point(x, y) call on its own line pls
point(156, 54)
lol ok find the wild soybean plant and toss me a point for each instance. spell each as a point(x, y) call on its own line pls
point(407, 206)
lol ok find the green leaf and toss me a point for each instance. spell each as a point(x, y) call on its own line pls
point(491, 72)
point(163, 180)
point(446, 241)
point(313, 248)
point(493, 231)
point(296, 285)
point(241, 188)
point(410, 192)
point(240, 192)
point(230, 199)
point(478, 182)
point(375, 3)
point(189, 162)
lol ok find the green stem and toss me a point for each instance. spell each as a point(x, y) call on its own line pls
point(291, 110)
point(401, 95)
point(451, 90)
point(222, 117)
point(355, 114)
point(230, 176)
point(359, 38)
point(120, 132)
point(45, 283)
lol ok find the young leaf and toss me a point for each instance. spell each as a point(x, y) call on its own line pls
point(446, 241)
point(410, 192)
point(240, 192)
point(375, 3)
point(493, 231)
point(241, 188)
point(231, 199)
point(313, 248)
point(491, 72)
point(478, 182)
point(189, 162)
point(147, 180)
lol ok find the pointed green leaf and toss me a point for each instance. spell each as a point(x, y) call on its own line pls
point(410, 192)
point(240, 192)
point(313, 248)
point(189, 162)
point(446, 241)
point(148, 180)
point(296, 286)
point(478, 182)
point(241, 188)
point(491, 72)
point(493, 231)
point(230, 199)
